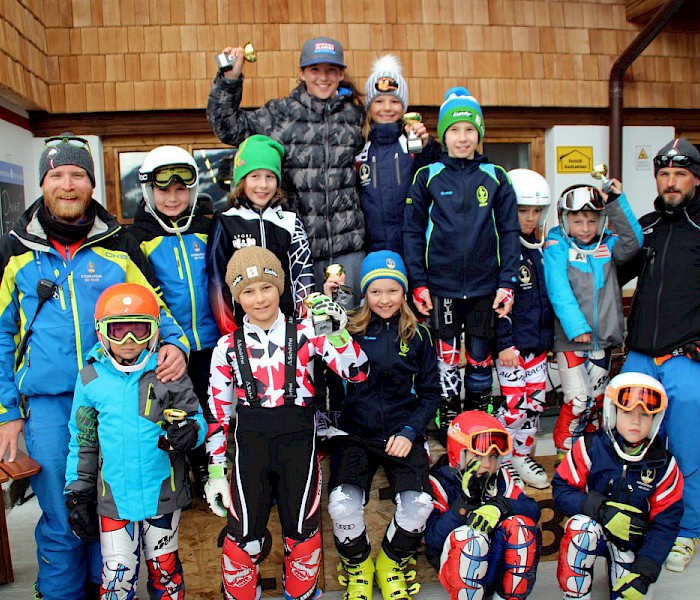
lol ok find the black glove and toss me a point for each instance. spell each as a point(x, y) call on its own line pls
point(82, 515)
point(183, 435)
point(623, 524)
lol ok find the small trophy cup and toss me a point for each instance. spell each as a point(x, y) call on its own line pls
point(176, 417)
point(414, 144)
point(225, 61)
point(343, 293)
point(323, 324)
point(601, 172)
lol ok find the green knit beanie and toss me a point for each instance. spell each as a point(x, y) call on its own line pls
point(258, 152)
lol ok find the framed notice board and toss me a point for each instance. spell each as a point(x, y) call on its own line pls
point(11, 195)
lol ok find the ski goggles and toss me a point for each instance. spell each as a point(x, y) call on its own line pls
point(582, 198)
point(57, 140)
point(679, 160)
point(119, 331)
point(163, 177)
point(630, 396)
point(484, 442)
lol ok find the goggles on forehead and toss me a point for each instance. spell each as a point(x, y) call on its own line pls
point(679, 160)
point(582, 198)
point(483, 442)
point(630, 396)
point(163, 177)
point(57, 140)
point(119, 330)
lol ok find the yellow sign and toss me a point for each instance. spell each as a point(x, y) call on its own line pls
point(574, 159)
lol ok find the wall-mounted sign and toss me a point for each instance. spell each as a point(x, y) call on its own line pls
point(574, 159)
point(11, 195)
point(642, 158)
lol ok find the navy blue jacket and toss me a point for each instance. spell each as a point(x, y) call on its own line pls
point(592, 473)
point(529, 327)
point(403, 386)
point(385, 170)
point(446, 486)
point(461, 230)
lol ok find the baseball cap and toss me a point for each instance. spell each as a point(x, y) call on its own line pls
point(322, 50)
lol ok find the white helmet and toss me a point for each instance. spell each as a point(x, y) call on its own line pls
point(531, 189)
point(581, 197)
point(625, 391)
point(163, 166)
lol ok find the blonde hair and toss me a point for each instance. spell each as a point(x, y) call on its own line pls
point(359, 320)
point(234, 197)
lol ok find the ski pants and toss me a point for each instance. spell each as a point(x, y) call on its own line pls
point(64, 560)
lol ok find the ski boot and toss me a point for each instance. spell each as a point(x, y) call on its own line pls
point(450, 407)
point(393, 579)
point(483, 402)
point(358, 580)
point(530, 471)
point(507, 466)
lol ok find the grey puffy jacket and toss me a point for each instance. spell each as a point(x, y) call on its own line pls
point(321, 139)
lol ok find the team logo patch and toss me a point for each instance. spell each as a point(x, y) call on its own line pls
point(602, 252)
point(91, 267)
point(386, 84)
point(549, 243)
point(390, 263)
point(252, 271)
point(482, 195)
point(364, 173)
point(324, 48)
point(525, 275)
point(269, 271)
point(647, 476)
point(195, 247)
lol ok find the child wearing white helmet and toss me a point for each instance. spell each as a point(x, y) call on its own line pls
point(173, 234)
point(623, 493)
point(524, 337)
point(581, 257)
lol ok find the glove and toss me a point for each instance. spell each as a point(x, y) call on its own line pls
point(323, 305)
point(418, 294)
point(487, 517)
point(183, 435)
point(218, 491)
point(632, 586)
point(472, 489)
point(622, 523)
point(82, 516)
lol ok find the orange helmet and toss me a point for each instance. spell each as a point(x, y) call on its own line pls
point(126, 311)
point(478, 433)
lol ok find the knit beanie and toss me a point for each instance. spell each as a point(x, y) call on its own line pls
point(250, 265)
point(383, 264)
point(459, 105)
point(681, 147)
point(258, 152)
point(386, 79)
point(62, 152)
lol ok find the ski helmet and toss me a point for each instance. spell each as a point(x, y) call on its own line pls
point(476, 432)
point(531, 189)
point(580, 197)
point(162, 167)
point(127, 311)
point(626, 391)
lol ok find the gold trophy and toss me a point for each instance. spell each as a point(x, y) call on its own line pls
point(343, 293)
point(225, 61)
point(176, 417)
point(601, 172)
point(414, 145)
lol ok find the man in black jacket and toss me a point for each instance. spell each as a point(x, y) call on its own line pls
point(664, 323)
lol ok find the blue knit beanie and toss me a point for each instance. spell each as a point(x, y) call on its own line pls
point(459, 105)
point(383, 264)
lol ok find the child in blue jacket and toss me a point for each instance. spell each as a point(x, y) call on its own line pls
point(126, 476)
point(482, 536)
point(580, 267)
point(623, 493)
point(386, 418)
point(173, 234)
point(462, 250)
point(386, 165)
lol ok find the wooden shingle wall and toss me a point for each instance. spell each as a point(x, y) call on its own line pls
point(107, 55)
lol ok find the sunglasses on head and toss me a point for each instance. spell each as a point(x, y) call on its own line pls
point(583, 198)
point(57, 140)
point(679, 160)
point(163, 177)
point(118, 331)
point(629, 397)
point(484, 442)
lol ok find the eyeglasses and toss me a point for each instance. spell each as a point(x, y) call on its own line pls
point(119, 331)
point(483, 442)
point(679, 160)
point(582, 198)
point(629, 397)
point(57, 140)
point(163, 177)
